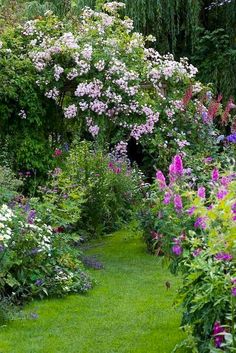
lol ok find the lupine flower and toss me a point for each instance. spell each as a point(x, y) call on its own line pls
point(177, 250)
point(200, 223)
point(201, 192)
point(215, 175)
point(222, 256)
point(217, 333)
point(161, 179)
point(178, 203)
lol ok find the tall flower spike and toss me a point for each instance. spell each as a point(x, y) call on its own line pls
point(178, 165)
point(161, 179)
point(215, 175)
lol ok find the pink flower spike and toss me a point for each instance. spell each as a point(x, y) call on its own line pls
point(161, 179)
point(178, 165)
point(215, 175)
point(201, 192)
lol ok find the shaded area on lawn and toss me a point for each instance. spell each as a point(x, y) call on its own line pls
point(128, 311)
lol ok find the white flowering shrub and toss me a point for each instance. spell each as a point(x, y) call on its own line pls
point(35, 260)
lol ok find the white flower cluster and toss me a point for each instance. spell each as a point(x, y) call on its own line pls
point(71, 111)
point(113, 6)
point(6, 217)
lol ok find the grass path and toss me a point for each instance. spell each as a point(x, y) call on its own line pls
point(128, 311)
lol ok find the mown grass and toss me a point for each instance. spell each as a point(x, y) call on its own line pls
point(128, 311)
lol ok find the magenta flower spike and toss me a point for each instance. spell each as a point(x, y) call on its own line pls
point(215, 175)
point(161, 179)
point(178, 165)
point(201, 192)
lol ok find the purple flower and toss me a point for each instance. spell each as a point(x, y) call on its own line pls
point(225, 181)
point(217, 333)
point(178, 165)
point(197, 252)
point(200, 222)
point(233, 291)
point(191, 210)
point(1, 248)
point(39, 282)
point(221, 194)
point(233, 208)
point(178, 203)
point(161, 179)
point(31, 216)
point(167, 198)
point(201, 192)
point(205, 117)
point(215, 175)
point(177, 250)
point(231, 138)
point(222, 256)
point(208, 160)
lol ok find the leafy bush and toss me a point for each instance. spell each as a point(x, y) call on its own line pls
point(93, 192)
point(35, 261)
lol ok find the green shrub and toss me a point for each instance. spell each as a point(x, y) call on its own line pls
point(93, 192)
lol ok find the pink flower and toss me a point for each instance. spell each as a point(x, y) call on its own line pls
point(177, 250)
point(57, 152)
point(201, 192)
point(215, 175)
point(221, 194)
point(200, 223)
point(178, 203)
point(167, 198)
point(161, 179)
point(191, 210)
point(217, 333)
point(178, 165)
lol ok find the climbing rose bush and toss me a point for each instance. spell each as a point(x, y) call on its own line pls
point(101, 79)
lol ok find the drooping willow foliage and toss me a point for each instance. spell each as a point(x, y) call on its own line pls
point(203, 30)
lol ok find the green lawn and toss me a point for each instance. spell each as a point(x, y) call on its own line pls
point(128, 311)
